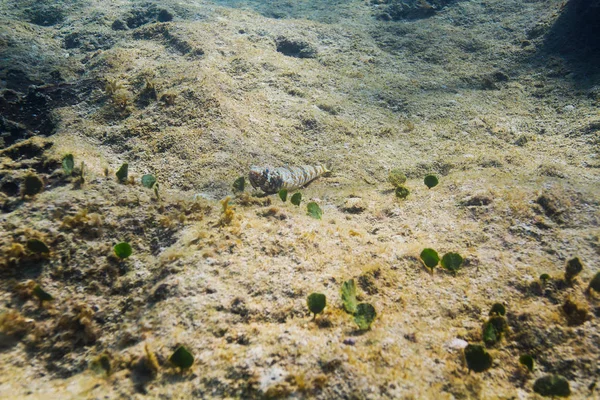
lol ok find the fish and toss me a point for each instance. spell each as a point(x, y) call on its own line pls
point(271, 180)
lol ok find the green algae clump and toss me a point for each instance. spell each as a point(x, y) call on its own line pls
point(574, 267)
point(148, 181)
point(477, 358)
point(494, 329)
point(37, 246)
point(314, 210)
point(527, 361)
point(101, 364)
point(316, 303)
point(41, 294)
point(296, 199)
point(364, 316)
point(123, 250)
point(452, 262)
point(68, 163)
point(595, 283)
point(498, 309)
point(430, 258)
point(349, 296)
point(283, 195)
point(122, 173)
point(402, 192)
point(431, 181)
point(396, 178)
point(552, 385)
point(182, 358)
point(239, 184)
point(32, 185)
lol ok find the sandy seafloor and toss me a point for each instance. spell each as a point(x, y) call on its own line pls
point(498, 98)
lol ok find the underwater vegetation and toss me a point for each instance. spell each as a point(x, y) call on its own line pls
point(527, 361)
point(595, 283)
point(349, 302)
point(496, 326)
point(122, 173)
point(148, 181)
point(397, 179)
point(182, 358)
point(430, 258)
point(239, 184)
point(283, 195)
point(402, 192)
point(431, 181)
point(574, 267)
point(364, 316)
point(316, 303)
point(37, 246)
point(123, 250)
point(41, 294)
point(68, 164)
point(227, 213)
point(314, 210)
point(214, 299)
point(477, 358)
point(296, 199)
point(364, 313)
point(552, 385)
point(450, 261)
point(32, 185)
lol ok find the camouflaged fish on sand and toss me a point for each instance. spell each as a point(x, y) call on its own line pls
point(272, 180)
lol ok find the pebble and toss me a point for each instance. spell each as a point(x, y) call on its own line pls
point(354, 205)
point(456, 343)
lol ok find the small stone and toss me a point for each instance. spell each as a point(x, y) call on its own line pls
point(477, 200)
point(164, 16)
point(353, 205)
point(521, 141)
point(349, 341)
point(119, 25)
point(32, 185)
point(456, 343)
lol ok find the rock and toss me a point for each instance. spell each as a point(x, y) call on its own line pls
point(164, 16)
point(295, 47)
point(577, 27)
point(271, 377)
point(455, 344)
point(476, 201)
point(119, 25)
point(396, 10)
point(353, 205)
point(576, 313)
point(45, 15)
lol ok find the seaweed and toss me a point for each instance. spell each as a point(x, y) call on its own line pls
point(182, 358)
point(316, 303)
point(430, 258)
point(364, 316)
point(430, 181)
point(477, 358)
